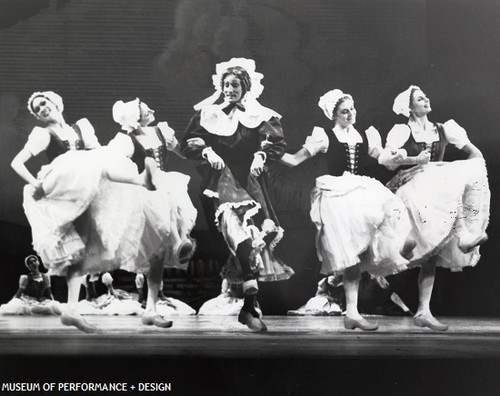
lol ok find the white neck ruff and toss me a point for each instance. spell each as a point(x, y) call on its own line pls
point(216, 122)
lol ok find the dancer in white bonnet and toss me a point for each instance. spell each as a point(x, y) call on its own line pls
point(361, 225)
point(34, 295)
point(149, 145)
point(448, 202)
point(228, 137)
point(88, 208)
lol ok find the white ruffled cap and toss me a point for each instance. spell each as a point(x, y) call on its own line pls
point(49, 95)
point(402, 102)
point(256, 88)
point(127, 114)
point(329, 100)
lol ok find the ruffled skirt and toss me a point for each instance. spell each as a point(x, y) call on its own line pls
point(173, 187)
point(110, 305)
point(26, 305)
point(358, 220)
point(236, 218)
point(447, 202)
point(222, 305)
point(93, 225)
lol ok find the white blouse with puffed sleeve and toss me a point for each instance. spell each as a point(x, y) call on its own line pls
point(39, 138)
point(317, 142)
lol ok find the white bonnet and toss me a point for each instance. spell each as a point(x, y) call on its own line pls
point(127, 114)
point(402, 102)
point(256, 88)
point(49, 95)
point(329, 101)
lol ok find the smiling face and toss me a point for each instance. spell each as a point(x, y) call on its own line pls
point(345, 114)
point(420, 104)
point(44, 109)
point(232, 88)
point(146, 115)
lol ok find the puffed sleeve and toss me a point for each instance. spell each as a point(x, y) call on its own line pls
point(169, 135)
point(122, 143)
point(397, 136)
point(317, 141)
point(455, 134)
point(88, 134)
point(46, 281)
point(273, 132)
point(193, 130)
point(23, 281)
point(38, 141)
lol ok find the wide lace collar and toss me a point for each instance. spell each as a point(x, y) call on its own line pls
point(217, 122)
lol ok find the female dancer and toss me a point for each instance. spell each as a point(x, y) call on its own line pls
point(234, 176)
point(361, 225)
point(109, 301)
point(34, 295)
point(448, 202)
point(143, 141)
point(82, 222)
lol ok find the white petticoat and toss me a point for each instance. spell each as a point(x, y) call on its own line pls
point(356, 214)
point(110, 305)
point(173, 307)
point(446, 200)
point(222, 305)
point(26, 305)
point(94, 225)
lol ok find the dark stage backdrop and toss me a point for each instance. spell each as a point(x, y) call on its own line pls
point(95, 52)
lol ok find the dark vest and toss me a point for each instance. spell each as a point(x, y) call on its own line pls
point(341, 157)
point(159, 154)
point(437, 149)
point(57, 146)
point(36, 288)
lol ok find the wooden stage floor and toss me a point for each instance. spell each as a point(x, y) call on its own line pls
point(297, 355)
point(213, 336)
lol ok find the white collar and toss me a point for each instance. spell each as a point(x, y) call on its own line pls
point(426, 134)
point(216, 122)
point(349, 135)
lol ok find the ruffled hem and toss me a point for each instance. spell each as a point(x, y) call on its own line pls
point(26, 305)
point(221, 306)
point(455, 202)
point(361, 223)
point(58, 255)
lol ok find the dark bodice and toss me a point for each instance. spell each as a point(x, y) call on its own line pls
point(437, 149)
point(342, 157)
point(36, 288)
point(238, 150)
point(159, 154)
point(57, 146)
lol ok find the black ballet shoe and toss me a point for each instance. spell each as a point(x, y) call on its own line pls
point(77, 321)
point(363, 324)
point(184, 251)
point(157, 321)
point(429, 321)
point(253, 323)
point(469, 246)
point(407, 250)
point(250, 287)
